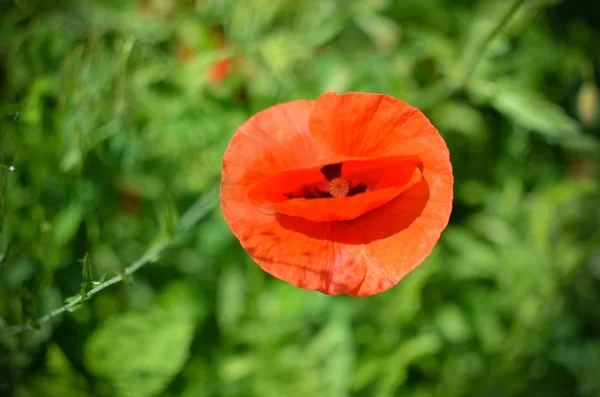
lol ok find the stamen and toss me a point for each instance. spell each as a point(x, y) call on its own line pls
point(339, 187)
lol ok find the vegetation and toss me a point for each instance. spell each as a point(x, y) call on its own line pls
point(114, 118)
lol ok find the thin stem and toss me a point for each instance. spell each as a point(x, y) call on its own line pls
point(444, 89)
point(194, 214)
point(473, 57)
point(3, 189)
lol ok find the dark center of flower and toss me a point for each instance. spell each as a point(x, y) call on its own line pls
point(338, 187)
point(352, 188)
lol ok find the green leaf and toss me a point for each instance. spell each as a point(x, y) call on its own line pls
point(139, 353)
point(530, 110)
point(168, 215)
point(231, 297)
point(383, 31)
point(460, 117)
point(103, 278)
point(66, 223)
point(186, 298)
point(409, 351)
point(487, 325)
point(452, 323)
point(87, 276)
point(475, 259)
point(61, 379)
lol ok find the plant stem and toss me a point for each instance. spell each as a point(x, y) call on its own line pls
point(472, 58)
point(194, 214)
point(4, 172)
point(444, 89)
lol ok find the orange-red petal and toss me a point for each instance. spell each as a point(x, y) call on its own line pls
point(362, 256)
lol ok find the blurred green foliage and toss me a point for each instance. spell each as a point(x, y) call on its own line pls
point(114, 118)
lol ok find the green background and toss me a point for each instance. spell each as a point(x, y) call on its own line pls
point(115, 115)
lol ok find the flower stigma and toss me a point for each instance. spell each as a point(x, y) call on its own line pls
point(339, 187)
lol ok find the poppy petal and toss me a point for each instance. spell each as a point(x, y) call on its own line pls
point(375, 249)
point(274, 139)
point(371, 125)
point(401, 234)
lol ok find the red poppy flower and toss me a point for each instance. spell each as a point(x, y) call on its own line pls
point(345, 195)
